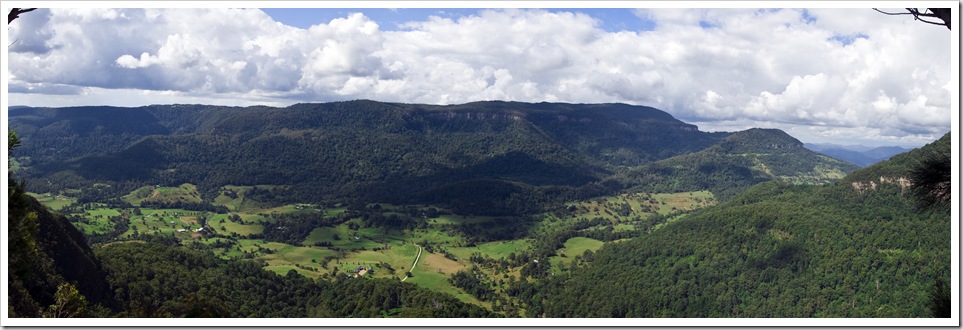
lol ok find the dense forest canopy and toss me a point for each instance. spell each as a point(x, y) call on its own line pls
point(777, 250)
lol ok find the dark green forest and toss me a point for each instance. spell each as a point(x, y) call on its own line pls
point(777, 250)
point(494, 158)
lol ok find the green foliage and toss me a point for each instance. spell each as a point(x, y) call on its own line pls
point(68, 302)
point(932, 180)
point(777, 250)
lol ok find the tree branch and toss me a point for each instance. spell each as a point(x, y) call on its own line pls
point(888, 13)
point(941, 13)
point(15, 13)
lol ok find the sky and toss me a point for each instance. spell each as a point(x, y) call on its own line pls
point(824, 75)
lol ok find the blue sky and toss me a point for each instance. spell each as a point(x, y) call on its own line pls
point(609, 19)
point(824, 75)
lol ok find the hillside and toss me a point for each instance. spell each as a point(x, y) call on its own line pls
point(351, 150)
point(777, 250)
point(48, 260)
point(736, 163)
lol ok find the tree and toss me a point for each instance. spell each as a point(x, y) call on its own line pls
point(68, 302)
point(932, 182)
point(940, 13)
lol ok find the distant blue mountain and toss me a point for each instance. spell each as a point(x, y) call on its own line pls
point(856, 154)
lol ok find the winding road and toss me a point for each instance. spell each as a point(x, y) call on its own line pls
point(416, 262)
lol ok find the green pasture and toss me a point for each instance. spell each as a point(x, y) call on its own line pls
point(98, 226)
point(575, 246)
point(222, 220)
point(183, 193)
point(399, 256)
point(433, 280)
point(242, 203)
point(495, 250)
point(607, 207)
point(52, 202)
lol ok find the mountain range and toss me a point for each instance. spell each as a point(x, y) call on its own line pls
point(482, 157)
point(857, 154)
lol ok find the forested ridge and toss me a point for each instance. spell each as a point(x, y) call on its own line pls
point(778, 250)
point(736, 163)
point(479, 158)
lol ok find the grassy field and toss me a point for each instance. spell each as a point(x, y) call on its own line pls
point(229, 226)
point(575, 246)
point(53, 202)
point(241, 202)
point(640, 205)
point(390, 252)
point(398, 256)
point(433, 271)
point(183, 193)
point(493, 250)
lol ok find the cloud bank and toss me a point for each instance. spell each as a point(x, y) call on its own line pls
point(829, 74)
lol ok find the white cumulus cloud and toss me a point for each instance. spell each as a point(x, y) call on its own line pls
point(848, 71)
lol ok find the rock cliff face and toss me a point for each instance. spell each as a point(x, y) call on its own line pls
point(863, 186)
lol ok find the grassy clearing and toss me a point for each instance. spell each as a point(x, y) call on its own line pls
point(183, 193)
point(225, 225)
point(52, 202)
point(398, 256)
point(165, 222)
point(493, 250)
point(235, 198)
point(296, 255)
point(138, 195)
point(98, 226)
point(101, 215)
point(438, 263)
point(640, 205)
point(437, 281)
point(343, 237)
point(575, 246)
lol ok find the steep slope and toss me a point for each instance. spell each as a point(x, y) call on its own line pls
point(46, 252)
point(777, 250)
point(737, 162)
